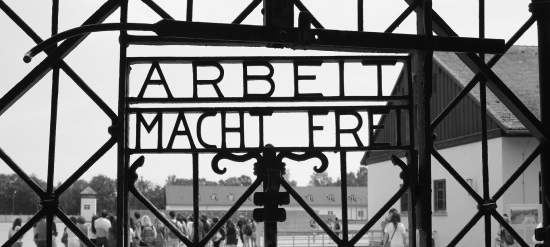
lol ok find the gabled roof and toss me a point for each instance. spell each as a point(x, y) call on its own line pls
point(518, 69)
point(88, 191)
point(325, 196)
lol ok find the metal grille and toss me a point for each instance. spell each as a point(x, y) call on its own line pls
point(278, 31)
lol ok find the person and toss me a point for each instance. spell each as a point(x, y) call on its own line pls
point(92, 231)
point(337, 226)
point(330, 226)
point(132, 232)
point(206, 228)
point(385, 221)
point(240, 224)
point(111, 236)
point(102, 225)
point(160, 239)
point(14, 228)
point(137, 232)
point(253, 236)
point(148, 232)
point(247, 233)
point(81, 224)
point(219, 237)
point(72, 239)
point(504, 238)
point(190, 228)
point(395, 234)
point(314, 228)
point(231, 235)
point(40, 235)
point(172, 239)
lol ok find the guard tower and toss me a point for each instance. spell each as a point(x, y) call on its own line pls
point(88, 203)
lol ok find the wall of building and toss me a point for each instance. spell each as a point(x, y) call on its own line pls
point(321, 210)
point(384, 181)
point(88, 213)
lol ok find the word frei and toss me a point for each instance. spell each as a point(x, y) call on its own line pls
point(279, 107)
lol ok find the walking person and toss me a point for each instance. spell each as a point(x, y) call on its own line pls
point(253, 236)
point(160, 239)
point(81, 224)
point(71, 239)
point(137, 232)
point(92, 231)
point(102, 225)
point(219, 237)
point(231, 235)
point(148, 232)
point(111, 237)
point(247, 233)
point(172, 239)
point(240, 224)
point(395, 234)
point(14, 228)
point(39, 233)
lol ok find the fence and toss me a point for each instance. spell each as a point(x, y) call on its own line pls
point(319, 238)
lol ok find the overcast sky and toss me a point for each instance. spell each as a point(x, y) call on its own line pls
point(82, 126)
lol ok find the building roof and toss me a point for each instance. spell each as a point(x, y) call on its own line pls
point(220, 195)
point(88, 191)
point(518, 69)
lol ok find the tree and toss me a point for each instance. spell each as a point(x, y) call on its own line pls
point(362, 176)
point(320, 179)
point(243, 180)
point(105, 188)
point(69, 201)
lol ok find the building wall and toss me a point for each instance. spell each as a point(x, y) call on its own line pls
point(88, 213)
point(525, 189)
point(321, 210)
point(384, 181)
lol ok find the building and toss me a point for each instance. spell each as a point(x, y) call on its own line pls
point(88, 203)
point(326, 201)
point(459, 142)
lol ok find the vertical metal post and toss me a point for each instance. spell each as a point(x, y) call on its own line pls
point(271, 185)
point(541, 11)
point(423, 80)
point(344, 191)
point(120, 132)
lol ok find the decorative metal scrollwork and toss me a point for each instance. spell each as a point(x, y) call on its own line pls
point(305, 156)
point(233, 157)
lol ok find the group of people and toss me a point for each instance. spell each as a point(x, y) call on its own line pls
point(157, 234)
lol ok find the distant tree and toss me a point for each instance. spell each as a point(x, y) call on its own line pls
point(362, 176)
point(69, 201)
point(243, 180)
point(105, 188)
point(173, 180)
point(320, 179)
point(293, 183)
point(16, 196)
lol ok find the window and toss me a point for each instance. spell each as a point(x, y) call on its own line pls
point(352, 198)
point(440, 197)
point(309, 197)
point(214, 197)
point(360, 214)
point(405, 201)
point(330, 198)
point(86, 207)
point(330, 212)
point(231, 197)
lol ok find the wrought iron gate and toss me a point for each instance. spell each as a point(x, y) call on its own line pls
point(278, 31)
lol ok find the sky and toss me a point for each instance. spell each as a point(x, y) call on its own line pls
point(82, 126)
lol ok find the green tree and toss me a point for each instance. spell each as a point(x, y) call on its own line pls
point(105, 188)
point(320, 179)
point(69, 201)
point(362, 176)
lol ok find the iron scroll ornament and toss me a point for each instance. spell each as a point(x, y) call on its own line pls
point(285, 154)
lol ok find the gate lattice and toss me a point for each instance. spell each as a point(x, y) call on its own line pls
point(278, 31)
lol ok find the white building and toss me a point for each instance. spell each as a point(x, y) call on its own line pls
point(326, 201)
point(88, 203)
point(459, 142)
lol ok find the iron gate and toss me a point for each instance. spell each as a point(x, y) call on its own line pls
point(278, 31)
